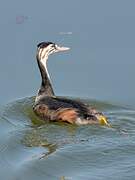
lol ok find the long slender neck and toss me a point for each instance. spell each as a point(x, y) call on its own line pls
point(46, 87)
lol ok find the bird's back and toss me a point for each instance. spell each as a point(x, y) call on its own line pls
point(57, 108)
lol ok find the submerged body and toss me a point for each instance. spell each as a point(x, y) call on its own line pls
point(67, 110)
point(51, 108)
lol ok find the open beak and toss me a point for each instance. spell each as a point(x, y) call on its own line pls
point(59, 49)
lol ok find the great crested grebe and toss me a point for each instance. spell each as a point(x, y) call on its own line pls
point(51, 108)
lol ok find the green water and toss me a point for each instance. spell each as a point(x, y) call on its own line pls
point(32, 149)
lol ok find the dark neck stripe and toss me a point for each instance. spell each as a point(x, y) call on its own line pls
point(46, 87)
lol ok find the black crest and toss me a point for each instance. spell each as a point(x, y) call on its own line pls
point(44, 44)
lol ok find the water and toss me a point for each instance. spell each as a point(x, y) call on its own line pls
point(99, 69)
point(32, 149)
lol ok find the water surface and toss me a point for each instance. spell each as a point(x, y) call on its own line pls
point(99, 68)
point(32, 149)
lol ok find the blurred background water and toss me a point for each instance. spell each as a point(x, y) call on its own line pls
point(99, 68)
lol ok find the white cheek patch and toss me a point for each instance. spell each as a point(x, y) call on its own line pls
point(43, 55)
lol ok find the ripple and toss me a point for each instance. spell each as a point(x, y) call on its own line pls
point(31, 148)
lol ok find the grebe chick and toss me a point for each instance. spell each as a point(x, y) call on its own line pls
point(51, 108)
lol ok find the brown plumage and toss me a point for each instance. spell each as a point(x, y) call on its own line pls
point(51, 108)
point(62, 114)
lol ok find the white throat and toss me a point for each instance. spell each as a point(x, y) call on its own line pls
point(43, 56)
point(44, 63)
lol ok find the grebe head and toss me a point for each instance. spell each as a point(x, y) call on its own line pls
point(44, 49)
